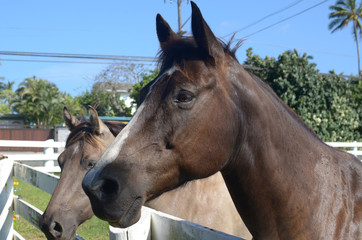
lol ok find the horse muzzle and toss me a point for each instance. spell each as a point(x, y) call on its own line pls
point(55, 230)
point(110, 200)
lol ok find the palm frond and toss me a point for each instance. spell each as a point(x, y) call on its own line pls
point(342, 3)
point(337, 8)
point(341, 13)
point(341, 25)
point(334, 23)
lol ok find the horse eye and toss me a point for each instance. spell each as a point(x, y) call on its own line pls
point(184, 97)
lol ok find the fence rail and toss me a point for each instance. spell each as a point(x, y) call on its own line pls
point(6, 199)
point(152, 225)
point(48, 157)
point(352, 147)
point(49, 146)
point(34, 144)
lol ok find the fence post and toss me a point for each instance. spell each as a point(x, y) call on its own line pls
point(138, 231)
point(47, 151)
point(355, 147)
point(6, 199)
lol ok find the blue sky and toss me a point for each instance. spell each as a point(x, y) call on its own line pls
point(127, 28)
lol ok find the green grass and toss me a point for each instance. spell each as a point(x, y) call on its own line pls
point(91, 229)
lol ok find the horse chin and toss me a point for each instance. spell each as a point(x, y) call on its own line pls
point(132, 215)
point(120, 218)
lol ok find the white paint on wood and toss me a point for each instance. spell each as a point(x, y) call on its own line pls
point(138, 231)
point(6, 195)
point(35, 144)
point(27, 211)
point(345, 144)
point(47, 169)
point(17, 236)
point(33, 157)
point(41, 180)
point(6, 166)
point(30, 213)
point(6, 210)
point(354, 145)
point(164, 226)
point(156, 225)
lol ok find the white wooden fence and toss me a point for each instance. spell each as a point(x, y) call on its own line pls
point(352, 147)
point(48, 157)
point(6, 199)
point(153, 224)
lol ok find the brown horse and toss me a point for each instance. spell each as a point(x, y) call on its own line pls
point(69, 206)
point(205, 113)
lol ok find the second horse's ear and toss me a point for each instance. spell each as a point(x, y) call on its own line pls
point(98, 126)
point(70, 121)
point(164, 32)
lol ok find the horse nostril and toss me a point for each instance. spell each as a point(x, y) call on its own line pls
point(57, 229)
point(109, 187)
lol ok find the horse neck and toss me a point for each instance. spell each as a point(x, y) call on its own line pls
point(265, 121)
point(274, 151)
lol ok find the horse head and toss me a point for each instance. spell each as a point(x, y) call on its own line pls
point(176, 134)
point(69, 206)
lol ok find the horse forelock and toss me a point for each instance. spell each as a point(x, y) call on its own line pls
point(174, 55)
point(183, 49)
point(84, 132)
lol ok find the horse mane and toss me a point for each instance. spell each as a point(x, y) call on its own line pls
point(185, 48)
point(265, 86)
point(85, 131)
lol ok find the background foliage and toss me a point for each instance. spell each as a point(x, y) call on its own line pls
point(136, 89)
point(104, 95)
point(41, 102)
point(328, 103)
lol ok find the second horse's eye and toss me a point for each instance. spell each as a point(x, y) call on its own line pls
point(185, 97)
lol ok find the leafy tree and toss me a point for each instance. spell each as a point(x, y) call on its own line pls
point(1, 78)
point(121, 73)
point(106, 103)
point(356, 87)
point(324, 102)
point(4, 108)
point(6, 97)
point(344, 12)
point(137, 87)
point(73, 105)
point(105, 93)
point(40, 101)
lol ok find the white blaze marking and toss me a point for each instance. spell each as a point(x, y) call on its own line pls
point(168, 72)
point(113, 150)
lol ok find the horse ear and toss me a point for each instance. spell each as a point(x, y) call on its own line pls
point(70, 121)
point(203, 35)
point(164, 32)
point(98, 126)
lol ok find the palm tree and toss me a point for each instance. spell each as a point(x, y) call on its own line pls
point(7, 93)
point(344, 12)
point(39, 100)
